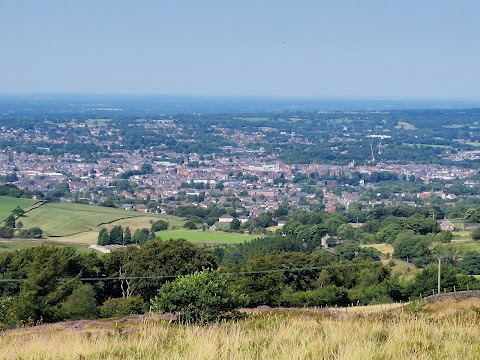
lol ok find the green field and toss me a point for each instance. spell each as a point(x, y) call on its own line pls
point(461, 247)
point(62, 219)
point(7, 204)
point(205, 236)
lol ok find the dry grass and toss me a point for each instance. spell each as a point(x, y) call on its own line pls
point(87, 237)
point(369, 309)
point(383, 248)
point(264, 336)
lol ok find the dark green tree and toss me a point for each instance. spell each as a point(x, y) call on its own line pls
point(159, 225)
point(475, 234)
point(127, 235)
point(235, 224)
point(81, 304)
point(116, 235)
point(157, 258)
point(103, 237)
point(10, 221)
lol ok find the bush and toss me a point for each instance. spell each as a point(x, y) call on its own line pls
point(159, 225)
point(190, 225)
point(326, 296)
point(199, 298)
point(118, 307)
point(7, 316)
point(81, 304)
point(476, 234)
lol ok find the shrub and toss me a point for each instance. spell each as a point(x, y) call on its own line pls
point(81, 304)
point(159, 225)
point(7, 316)
point(118, 307)
point(199, 298)
point(476, 234)
point(190, 225)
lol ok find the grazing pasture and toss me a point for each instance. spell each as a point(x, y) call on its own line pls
point(7, 204)
point(205, 236)
point(65, 219)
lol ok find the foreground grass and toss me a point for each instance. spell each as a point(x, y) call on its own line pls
point(265, 336)
point(199, 236)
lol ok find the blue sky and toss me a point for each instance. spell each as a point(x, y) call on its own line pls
point(384, 48)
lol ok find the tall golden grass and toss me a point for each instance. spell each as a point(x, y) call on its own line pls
point(262, 336)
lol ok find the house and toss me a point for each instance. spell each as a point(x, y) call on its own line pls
point(225, 218)
point(243, 219)
point(128, 207)
point(446, 225)
point(470, 226)
point(281, 223)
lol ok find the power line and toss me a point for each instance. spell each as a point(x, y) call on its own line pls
point(157, 277)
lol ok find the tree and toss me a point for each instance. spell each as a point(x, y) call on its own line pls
point(127, 235)
point(346, 232)
point(199, 298)
point(81, 304)
point(18, 211)
point(141, 236)
point(426, 281)
point(116, 235)
point(159, 225)
point(157, 258)
point(472, 215)
point(6, 232)
point(476, 234)
point(10, 221)
point(190, 225)
point(103, 237)
point(470, 263)
point(235, 224)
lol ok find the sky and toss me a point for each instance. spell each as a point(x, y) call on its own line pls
point(334, 48)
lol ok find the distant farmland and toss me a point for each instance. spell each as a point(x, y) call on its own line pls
point(206, 236)
point(7, 204)
point(63, 219)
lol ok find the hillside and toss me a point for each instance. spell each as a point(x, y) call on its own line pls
point(280, 335)
point(66, 219)
point(7, 204)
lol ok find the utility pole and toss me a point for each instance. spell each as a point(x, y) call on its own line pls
point(439, 272)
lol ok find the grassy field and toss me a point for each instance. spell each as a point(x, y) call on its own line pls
point(7, 204)
point(460, 247)
point(146, 221)
point(450, 332)
point(205, 236)
point(406, 271)
point(62, 219)
point(383, 248)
